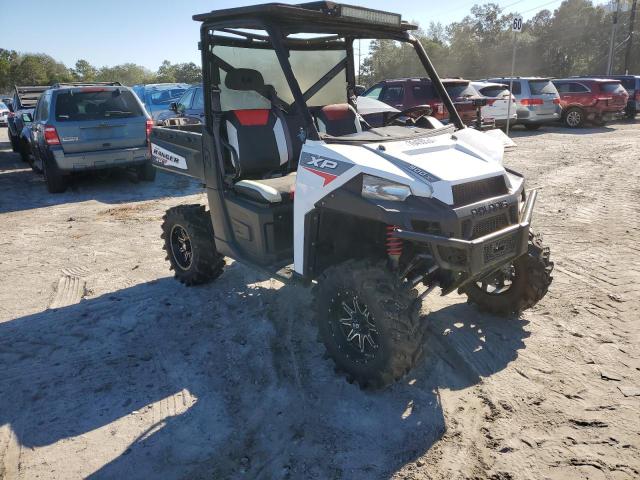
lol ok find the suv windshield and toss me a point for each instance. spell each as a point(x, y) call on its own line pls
point(96, 105)
point(494, 91)
point(539, 87)
point(460, 90)
point(166, 96)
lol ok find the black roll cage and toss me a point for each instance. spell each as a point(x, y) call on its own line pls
point(277, 40)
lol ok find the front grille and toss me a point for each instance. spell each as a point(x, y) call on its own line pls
point(471, 192)
point(490, 225)
point(499, 248)
point(455, 256)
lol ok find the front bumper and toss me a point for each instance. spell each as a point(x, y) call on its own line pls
point(482, 255)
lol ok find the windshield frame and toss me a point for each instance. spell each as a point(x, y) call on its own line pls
point(277, 40)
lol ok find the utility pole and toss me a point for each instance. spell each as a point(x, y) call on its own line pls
point(632, 20)
point(612, 42)
point(359, 58)
point(516, 27)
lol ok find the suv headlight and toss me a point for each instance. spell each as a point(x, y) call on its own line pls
point(380, 189)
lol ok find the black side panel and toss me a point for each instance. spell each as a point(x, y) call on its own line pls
point(178, 150)
point(263, 233)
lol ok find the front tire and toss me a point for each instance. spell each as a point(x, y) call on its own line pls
point(368, 322)
point(188, 240)
point(525, 284)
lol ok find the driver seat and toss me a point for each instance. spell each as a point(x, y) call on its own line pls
point(259, 143)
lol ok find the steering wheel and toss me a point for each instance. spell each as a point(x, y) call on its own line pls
point(413, 113)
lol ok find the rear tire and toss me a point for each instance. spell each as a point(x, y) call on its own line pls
point(387, 335)
point(189, 242)
point(574, 117)
point(530, 283)
point(146, 172)
point(14, 143)
point(55, 179)
point(532, 126)
point(24, 150)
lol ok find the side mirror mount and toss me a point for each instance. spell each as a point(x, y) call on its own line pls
point(27, 118)
point(173, 106)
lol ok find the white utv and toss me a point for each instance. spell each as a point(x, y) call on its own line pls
point(374, 219)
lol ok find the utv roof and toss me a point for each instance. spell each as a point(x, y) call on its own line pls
point(313, 17)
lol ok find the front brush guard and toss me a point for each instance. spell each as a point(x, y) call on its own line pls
point(481, 255)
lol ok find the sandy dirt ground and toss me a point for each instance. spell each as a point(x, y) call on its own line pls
point(111, 369)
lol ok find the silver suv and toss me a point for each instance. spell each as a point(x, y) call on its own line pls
point(537, 100)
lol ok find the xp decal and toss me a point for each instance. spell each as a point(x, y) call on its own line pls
point(327, 168)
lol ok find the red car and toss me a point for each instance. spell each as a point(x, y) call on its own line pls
point(593, 100)
point(403, 93)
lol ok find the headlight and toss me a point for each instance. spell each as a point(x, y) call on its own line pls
point(380, 189)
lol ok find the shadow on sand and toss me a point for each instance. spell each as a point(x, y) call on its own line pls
point(227, 381)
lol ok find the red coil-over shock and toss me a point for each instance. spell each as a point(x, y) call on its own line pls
point(393, 244)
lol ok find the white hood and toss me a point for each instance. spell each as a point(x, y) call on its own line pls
point(430, 165)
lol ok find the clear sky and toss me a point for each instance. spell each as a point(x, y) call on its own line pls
point(147, 32)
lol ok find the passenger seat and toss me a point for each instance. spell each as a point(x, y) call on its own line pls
point(338, 119)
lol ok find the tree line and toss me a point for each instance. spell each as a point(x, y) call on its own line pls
point(571, 40)
point(40, 69)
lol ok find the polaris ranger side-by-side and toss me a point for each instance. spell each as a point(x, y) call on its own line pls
point(373, 218)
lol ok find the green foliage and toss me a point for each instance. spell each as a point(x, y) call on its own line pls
point(572, 40)
point(40, 69)
point(179, 72)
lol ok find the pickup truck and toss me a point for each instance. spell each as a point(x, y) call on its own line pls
point(23, 102)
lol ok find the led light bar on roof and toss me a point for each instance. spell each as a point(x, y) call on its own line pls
point(368, 15)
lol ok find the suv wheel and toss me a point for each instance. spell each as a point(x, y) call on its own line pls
point(517, 286)
point(147, 172)
point(188, 240)
point(574, 117)
point(23, 149)
point(368, 322)
point(55, 179)
point(14, 143)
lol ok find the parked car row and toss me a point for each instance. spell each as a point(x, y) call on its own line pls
point(72, 127)
point(535, 101)
point(158, 97)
